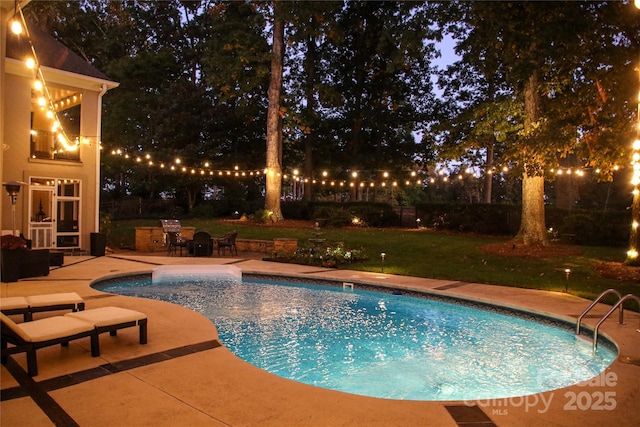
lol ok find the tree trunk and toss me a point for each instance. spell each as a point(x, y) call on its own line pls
point(488, 177)
point(532, 225)
point(274, 122)
point(633, 258)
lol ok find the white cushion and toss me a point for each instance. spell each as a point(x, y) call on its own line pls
point(11, 303)
point(52, 328)
point(54, 299)
point(107, 316)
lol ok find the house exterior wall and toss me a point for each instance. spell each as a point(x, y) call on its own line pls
point(19, 166)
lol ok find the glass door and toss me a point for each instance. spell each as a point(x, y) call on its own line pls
point(42, 199)
point(68, 213)
point(54, 213)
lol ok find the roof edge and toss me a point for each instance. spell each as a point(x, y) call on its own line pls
point(60, 77)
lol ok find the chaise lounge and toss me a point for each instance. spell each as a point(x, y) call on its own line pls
point(41, 303)
point(29, 336)
point(110, 319)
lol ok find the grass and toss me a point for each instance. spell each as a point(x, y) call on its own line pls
point(423, 253)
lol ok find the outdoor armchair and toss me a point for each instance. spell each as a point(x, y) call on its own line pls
point(228, 241)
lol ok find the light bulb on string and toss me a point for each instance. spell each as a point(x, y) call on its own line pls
point(16, 27)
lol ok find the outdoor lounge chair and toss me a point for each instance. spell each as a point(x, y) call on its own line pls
point(30, 336)
point(41, 303)
point(110, 319)
point(228, 241)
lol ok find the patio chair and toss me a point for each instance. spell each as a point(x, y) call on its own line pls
point(228, 241)
point(202, 244)
point(30, 336)
point(41, 303)
point(174, 241)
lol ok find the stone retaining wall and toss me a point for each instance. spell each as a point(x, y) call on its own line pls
point(152, 239)
point(267, 246)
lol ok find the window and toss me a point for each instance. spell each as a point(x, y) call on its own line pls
point(55, 129)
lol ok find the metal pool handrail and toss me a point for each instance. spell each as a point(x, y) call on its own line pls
point(619, 303)
point(595, 301)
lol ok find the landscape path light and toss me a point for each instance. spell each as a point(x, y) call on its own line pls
point(567, 272)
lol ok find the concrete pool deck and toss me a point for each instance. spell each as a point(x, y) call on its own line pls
point(183, 376)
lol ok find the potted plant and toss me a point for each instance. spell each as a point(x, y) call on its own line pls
point(13, 251)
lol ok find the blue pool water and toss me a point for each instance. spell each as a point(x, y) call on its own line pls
point(380, 344)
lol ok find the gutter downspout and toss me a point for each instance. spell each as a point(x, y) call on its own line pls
point(98, 145)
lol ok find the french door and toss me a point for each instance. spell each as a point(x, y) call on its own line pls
point(54, 213)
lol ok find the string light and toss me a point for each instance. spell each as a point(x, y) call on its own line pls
point(634, 240)
point(441, 175)
point(16, 27)
point(45, 102)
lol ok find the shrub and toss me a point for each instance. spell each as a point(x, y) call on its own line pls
point(105, 223)
point(333, 217)
point(299, 209)
point(262, 216)
point(581, 227)
point(203, 210)
point(596, 228)
point(470, 218)
point(331, 256)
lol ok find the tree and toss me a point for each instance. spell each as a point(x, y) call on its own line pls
point(555, 58)
point(311, 22)
point(274, 120)
point(382, 73)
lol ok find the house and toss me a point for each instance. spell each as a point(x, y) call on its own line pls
point(50, 124)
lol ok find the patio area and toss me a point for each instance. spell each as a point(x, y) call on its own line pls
point(184, 376)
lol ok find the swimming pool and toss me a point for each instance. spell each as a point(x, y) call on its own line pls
point(380, 344)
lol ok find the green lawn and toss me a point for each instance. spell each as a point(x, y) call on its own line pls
point(424, 253)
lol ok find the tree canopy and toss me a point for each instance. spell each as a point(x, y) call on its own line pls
point(546, 89)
